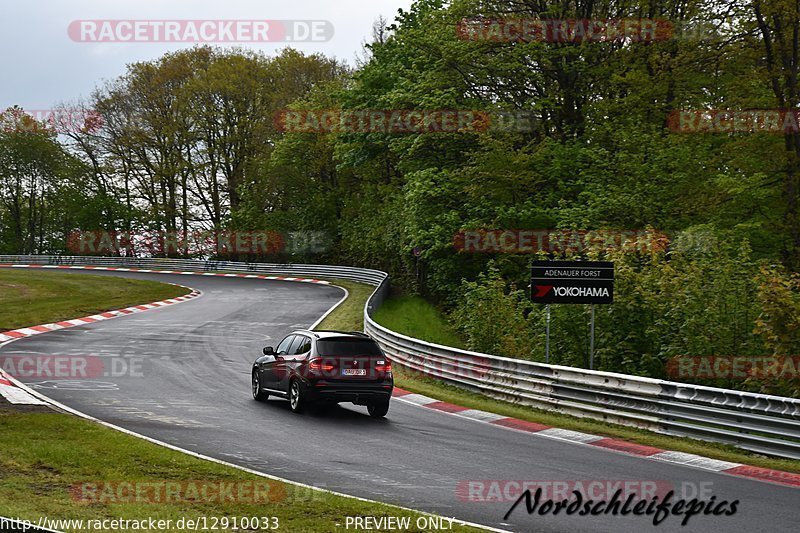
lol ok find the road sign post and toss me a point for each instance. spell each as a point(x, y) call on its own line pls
point(547, 336)
point(591, 339)
point(572, 282)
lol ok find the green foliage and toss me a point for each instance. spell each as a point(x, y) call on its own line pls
point(707, 297)
point(779, 300)
point(492, 317)
point(42, 187)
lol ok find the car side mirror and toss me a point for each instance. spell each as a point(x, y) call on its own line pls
point(269, 350)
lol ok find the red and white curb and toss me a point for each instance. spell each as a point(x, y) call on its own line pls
point(45, 328)
point(629, 448)
point(18, 396)
point(155, 271)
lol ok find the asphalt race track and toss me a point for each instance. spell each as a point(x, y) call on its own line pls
point(190, 386)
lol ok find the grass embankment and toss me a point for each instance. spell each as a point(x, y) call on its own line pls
point(63, 467)
point(410, 315)
point(413, 316)
point(349, 316)
point(30, 297)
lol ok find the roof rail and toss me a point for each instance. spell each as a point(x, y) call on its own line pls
point(358, 333)
point(309, 331)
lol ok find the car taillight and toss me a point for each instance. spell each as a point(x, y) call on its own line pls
point(383, 366)
point(317, 365)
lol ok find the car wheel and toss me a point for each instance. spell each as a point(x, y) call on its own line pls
point(378, 408)
point(258, 394)
point(297, 401)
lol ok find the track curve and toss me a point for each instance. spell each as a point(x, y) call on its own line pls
point(192, 391)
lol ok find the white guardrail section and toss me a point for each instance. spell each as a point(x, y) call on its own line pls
point(757, 422)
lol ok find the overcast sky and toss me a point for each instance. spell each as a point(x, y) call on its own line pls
point(42, 66)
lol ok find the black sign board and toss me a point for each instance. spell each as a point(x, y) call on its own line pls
point(572, 282)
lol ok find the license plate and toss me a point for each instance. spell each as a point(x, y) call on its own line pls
point(354, 372)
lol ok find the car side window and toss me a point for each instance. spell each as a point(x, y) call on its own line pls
point(298, 340)
point(305, 346)
point(283, 347)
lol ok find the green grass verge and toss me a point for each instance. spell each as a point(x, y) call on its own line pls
point(45, 475)
point(416, 317)
point(349, 316)
point(30, 297)
point(421, 321)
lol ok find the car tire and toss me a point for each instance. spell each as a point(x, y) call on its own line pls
point(297, 399)
point(258, 394)
point(378, 408)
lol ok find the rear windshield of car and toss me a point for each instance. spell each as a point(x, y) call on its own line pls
point(346, 347)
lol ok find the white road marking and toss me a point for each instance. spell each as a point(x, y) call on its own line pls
point(706, 463)
point(418, 399)
point(476, 414)
point(567, 434)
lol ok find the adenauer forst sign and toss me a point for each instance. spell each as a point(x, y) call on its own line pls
point(572, 282)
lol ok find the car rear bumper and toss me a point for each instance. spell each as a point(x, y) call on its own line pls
point(355, 393)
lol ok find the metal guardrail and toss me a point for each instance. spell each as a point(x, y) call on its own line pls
point(363, 275)
point(757, 422)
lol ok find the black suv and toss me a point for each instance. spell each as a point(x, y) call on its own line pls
point(315, 367)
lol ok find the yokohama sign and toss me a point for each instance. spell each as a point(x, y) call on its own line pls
point(572, 282)
point(581, 291)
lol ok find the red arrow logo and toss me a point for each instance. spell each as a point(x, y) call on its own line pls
point(542, 290)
